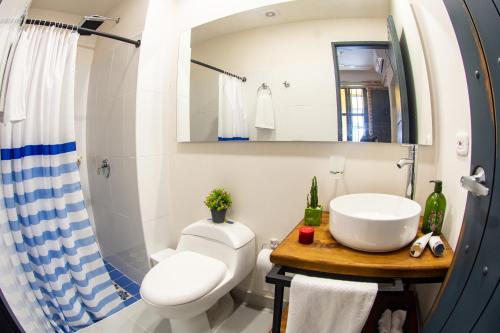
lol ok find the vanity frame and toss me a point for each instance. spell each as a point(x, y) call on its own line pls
point(278, 277)
point(327, 258)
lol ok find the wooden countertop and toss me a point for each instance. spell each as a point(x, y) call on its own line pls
point(326, 255)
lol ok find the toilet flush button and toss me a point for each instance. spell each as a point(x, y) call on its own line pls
point(462, 144)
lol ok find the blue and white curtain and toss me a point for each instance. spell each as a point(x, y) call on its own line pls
point(232, 123)
point(43, 198)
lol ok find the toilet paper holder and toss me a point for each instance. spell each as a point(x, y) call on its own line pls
point(273, 244)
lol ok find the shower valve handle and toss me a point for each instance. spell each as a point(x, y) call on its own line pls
point(105, 168)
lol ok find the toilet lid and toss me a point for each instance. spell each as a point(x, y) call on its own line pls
point(182, 278)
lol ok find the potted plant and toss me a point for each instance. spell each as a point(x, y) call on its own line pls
point(313, 212)
point(218, 201)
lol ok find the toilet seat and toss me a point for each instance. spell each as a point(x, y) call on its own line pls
point(182, 278)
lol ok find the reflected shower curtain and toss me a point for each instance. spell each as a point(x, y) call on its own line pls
point(41, 184)
point(233, 124)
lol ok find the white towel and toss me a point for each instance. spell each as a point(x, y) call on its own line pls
point(264, 114)
point(398, 320)
point(329, 306)
point(16, 87)
point(384, 323)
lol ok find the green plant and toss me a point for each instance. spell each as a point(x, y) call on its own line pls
point(218, 199)
point(313, 195)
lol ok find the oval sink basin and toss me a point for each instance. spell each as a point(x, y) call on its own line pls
point(374, 222)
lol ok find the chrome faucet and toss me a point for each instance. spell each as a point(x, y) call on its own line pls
point(410, 162)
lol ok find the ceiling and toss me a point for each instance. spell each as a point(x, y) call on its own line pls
point(293, 11)
point(351, 58)
point(76, 7)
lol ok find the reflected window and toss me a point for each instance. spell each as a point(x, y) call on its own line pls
point(354, 114)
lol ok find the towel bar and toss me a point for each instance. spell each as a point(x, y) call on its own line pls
point(277, 276)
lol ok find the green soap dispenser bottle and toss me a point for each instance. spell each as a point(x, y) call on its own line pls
point(435, 207)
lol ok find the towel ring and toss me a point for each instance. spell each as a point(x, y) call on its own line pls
point(264, 86)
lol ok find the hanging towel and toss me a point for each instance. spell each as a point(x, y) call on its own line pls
point(233, 125)
point(264, 114)
point(329, 306)
point(14, 108)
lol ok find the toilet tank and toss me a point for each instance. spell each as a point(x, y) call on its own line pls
point(231, 242)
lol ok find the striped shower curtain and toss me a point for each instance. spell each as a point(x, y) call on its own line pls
point(41, 184)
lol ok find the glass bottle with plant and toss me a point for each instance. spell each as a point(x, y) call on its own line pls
point(313, 212)
point(218, 201)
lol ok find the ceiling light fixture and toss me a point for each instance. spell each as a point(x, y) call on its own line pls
point(271, 13)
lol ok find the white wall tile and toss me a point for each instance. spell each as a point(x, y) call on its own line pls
point(152, 124)
point(152, 174)
point(156, 232)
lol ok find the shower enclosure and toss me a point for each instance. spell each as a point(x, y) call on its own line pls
point(105, 99)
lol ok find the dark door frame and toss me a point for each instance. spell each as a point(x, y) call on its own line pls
point(483, 153)
point(8, 321)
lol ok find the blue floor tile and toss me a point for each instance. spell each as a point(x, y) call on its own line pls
point(109, 267)
point(115, 275)
point(129, 301)
point(123, 281)
point(132, 288)
point(138, 296)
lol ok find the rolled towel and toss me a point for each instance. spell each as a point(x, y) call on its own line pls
point(384, 323)
point(398, 320)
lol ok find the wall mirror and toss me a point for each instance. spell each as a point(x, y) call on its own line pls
point(305, 70)
point(372, 103)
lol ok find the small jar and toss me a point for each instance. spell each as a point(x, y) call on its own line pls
point(306, 235)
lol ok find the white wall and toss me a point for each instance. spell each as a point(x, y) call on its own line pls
point(269, 181)
point(85, 54)
point(408, 29)
point(450, 100)
point(298, 52)
point(111, 133)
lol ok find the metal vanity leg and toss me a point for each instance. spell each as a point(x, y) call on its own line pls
point(278, 307)
point(278, 277)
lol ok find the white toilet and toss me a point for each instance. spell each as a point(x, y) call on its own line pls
point(210, 260)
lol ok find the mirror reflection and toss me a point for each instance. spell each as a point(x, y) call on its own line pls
point(297, 72)
point(371, 107)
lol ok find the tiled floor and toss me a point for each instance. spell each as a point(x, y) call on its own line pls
point(139, 318)
point(127, 289)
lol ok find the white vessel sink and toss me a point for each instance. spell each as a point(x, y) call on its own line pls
point(374, 222)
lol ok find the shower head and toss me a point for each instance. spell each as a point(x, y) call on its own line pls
point(93, 22)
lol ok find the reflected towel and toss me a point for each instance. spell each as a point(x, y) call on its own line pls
point(264, 114)
point(329, 306)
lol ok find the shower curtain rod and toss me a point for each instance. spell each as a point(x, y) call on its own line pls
point(137, 43)
point(242, 78)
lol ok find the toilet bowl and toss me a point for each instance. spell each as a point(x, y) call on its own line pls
point(209, 261)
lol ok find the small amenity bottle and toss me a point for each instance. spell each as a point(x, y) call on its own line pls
point(435, 207)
